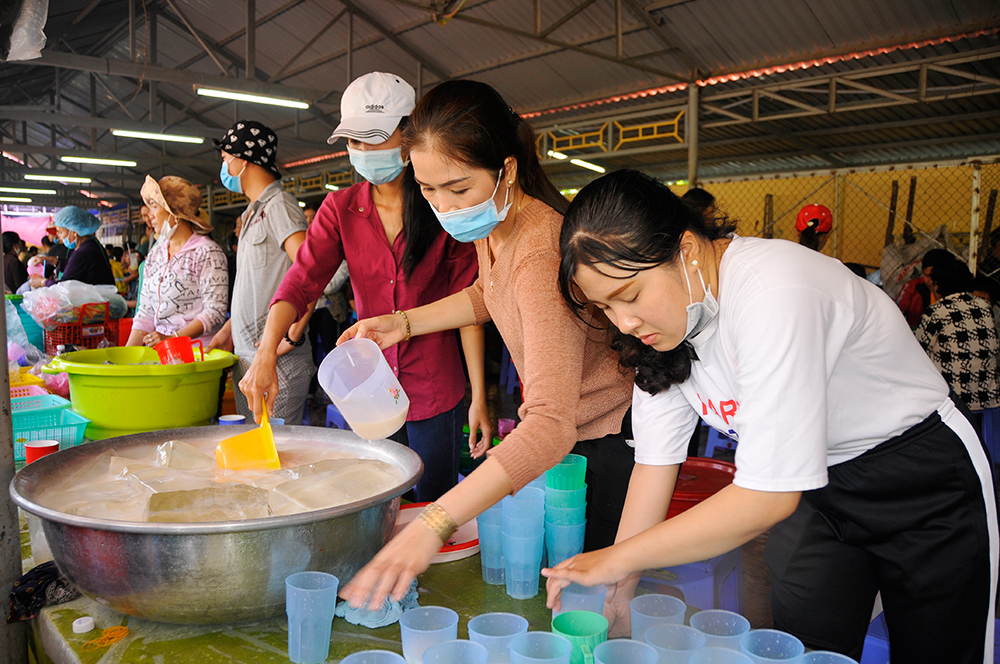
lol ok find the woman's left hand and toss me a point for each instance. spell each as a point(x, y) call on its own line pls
point(153, 338)
point(393, 569)
point(479, 419)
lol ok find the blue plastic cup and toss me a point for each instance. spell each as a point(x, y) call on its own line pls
point(575, 597)
point(565, 497)
point(458, 651)
point(719, 656)
point(649, 610)
point(491, 545)
point(766, 646)
point(625, 651)
point(424, 626)
point(225, 420)
point(674, 644)
point(522, 565)
point(563, 542)
point(310, 601)
point(528, 503)
point(723, 629)
point(826, 657)
point(523, 527)
point(540, 648)
point(374, 657)
point(538, 482)
point(566, 516)
point(494, 632)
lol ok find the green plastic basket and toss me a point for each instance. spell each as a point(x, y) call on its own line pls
point(50, 423)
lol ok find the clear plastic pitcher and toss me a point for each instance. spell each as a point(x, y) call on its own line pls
point(364, 389)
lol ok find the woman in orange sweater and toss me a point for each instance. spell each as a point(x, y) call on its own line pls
point(475, 163)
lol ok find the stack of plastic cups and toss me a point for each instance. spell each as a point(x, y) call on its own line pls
point(565, 509)
point(491, 545)
point(522, 526)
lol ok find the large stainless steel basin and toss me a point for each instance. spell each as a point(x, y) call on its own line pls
point(222, 572)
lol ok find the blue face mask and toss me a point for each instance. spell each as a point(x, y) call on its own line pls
point(476, 222)
point(69, 245)
point(377, 166)
point(231, 182)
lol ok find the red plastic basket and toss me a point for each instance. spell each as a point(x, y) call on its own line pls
point(81, 334)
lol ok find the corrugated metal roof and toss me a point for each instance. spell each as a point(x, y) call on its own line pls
point(532, 74)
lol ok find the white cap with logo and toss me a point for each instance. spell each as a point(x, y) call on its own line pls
point(372, 106)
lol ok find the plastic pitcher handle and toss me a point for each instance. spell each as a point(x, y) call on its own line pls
point(200, 347)
point(588, 654)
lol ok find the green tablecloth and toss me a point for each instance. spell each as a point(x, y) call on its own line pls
point(457, 585)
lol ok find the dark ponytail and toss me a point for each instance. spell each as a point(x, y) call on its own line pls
point(809, 238)
point(470, 122)
point(628, 220)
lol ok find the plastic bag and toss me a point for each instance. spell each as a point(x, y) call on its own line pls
point(27, 38)
point(52, 306)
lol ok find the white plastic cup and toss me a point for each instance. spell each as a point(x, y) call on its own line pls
point(766, 646)
point(575, 597)
point(719, 656)
point(424, 626)
point(649, 610)
point(494, 632)
point(625, 651)
point(364, 389)
point(374, 657)
point(826, 657)
point(540, 648)
point(458, 651)
point(723, 629)
point(674, 643)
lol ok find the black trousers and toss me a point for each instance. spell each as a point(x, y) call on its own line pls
point(609, 468)
point(908, 518)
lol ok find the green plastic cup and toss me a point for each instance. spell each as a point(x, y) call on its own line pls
point(570, 473)
point(584, 630)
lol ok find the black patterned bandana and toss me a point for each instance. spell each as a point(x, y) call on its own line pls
point(251, 141)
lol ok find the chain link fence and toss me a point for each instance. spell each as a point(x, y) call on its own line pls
point(884, 218)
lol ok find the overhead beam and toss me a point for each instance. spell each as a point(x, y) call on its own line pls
point(427, 63)
point(197, 36)
point(662, 35)
point(139, 71)
point(20, 148)
point(568, 46)
point(559, 22)
point(306, 46)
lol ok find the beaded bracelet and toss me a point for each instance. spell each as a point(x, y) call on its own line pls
point(296, 344)
point(438, 521)
point(405, 320)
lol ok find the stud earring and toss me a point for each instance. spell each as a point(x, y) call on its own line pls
point(510, 183)
point(694, 263)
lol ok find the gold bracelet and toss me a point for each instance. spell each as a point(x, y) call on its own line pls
point(438, 521)
point(405, 320)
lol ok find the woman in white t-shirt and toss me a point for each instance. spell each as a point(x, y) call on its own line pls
point(850, 449)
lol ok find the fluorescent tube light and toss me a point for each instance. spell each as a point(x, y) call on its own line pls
point(557, 155)
point(332, 187)
point(14, 199)
point(94, 160)
point(21, 190)
point(149, 136)
point(57, 178)
point(253, 99)
point(586, 164)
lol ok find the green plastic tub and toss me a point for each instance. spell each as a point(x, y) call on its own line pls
point(126, 390)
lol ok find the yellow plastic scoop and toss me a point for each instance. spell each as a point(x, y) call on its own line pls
point(252, 450)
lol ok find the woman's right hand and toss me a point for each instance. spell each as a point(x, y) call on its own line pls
point(386, 331)
point(260, 382)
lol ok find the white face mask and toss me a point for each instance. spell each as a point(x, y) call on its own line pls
point(700, 315)
point(167, 230)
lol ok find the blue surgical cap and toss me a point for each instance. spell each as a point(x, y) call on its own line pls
point(77, 220)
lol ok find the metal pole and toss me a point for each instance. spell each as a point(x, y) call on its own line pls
point(251, 39)
point(151, 58)
point(13, 642)
point(350, 47)
point(836, 215)
point(618, 29)
point(93, 111)
point(420, 80)
point(977, 172)
point(131, 30)
point(692, 135)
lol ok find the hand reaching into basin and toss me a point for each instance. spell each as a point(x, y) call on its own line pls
point(386, 331)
